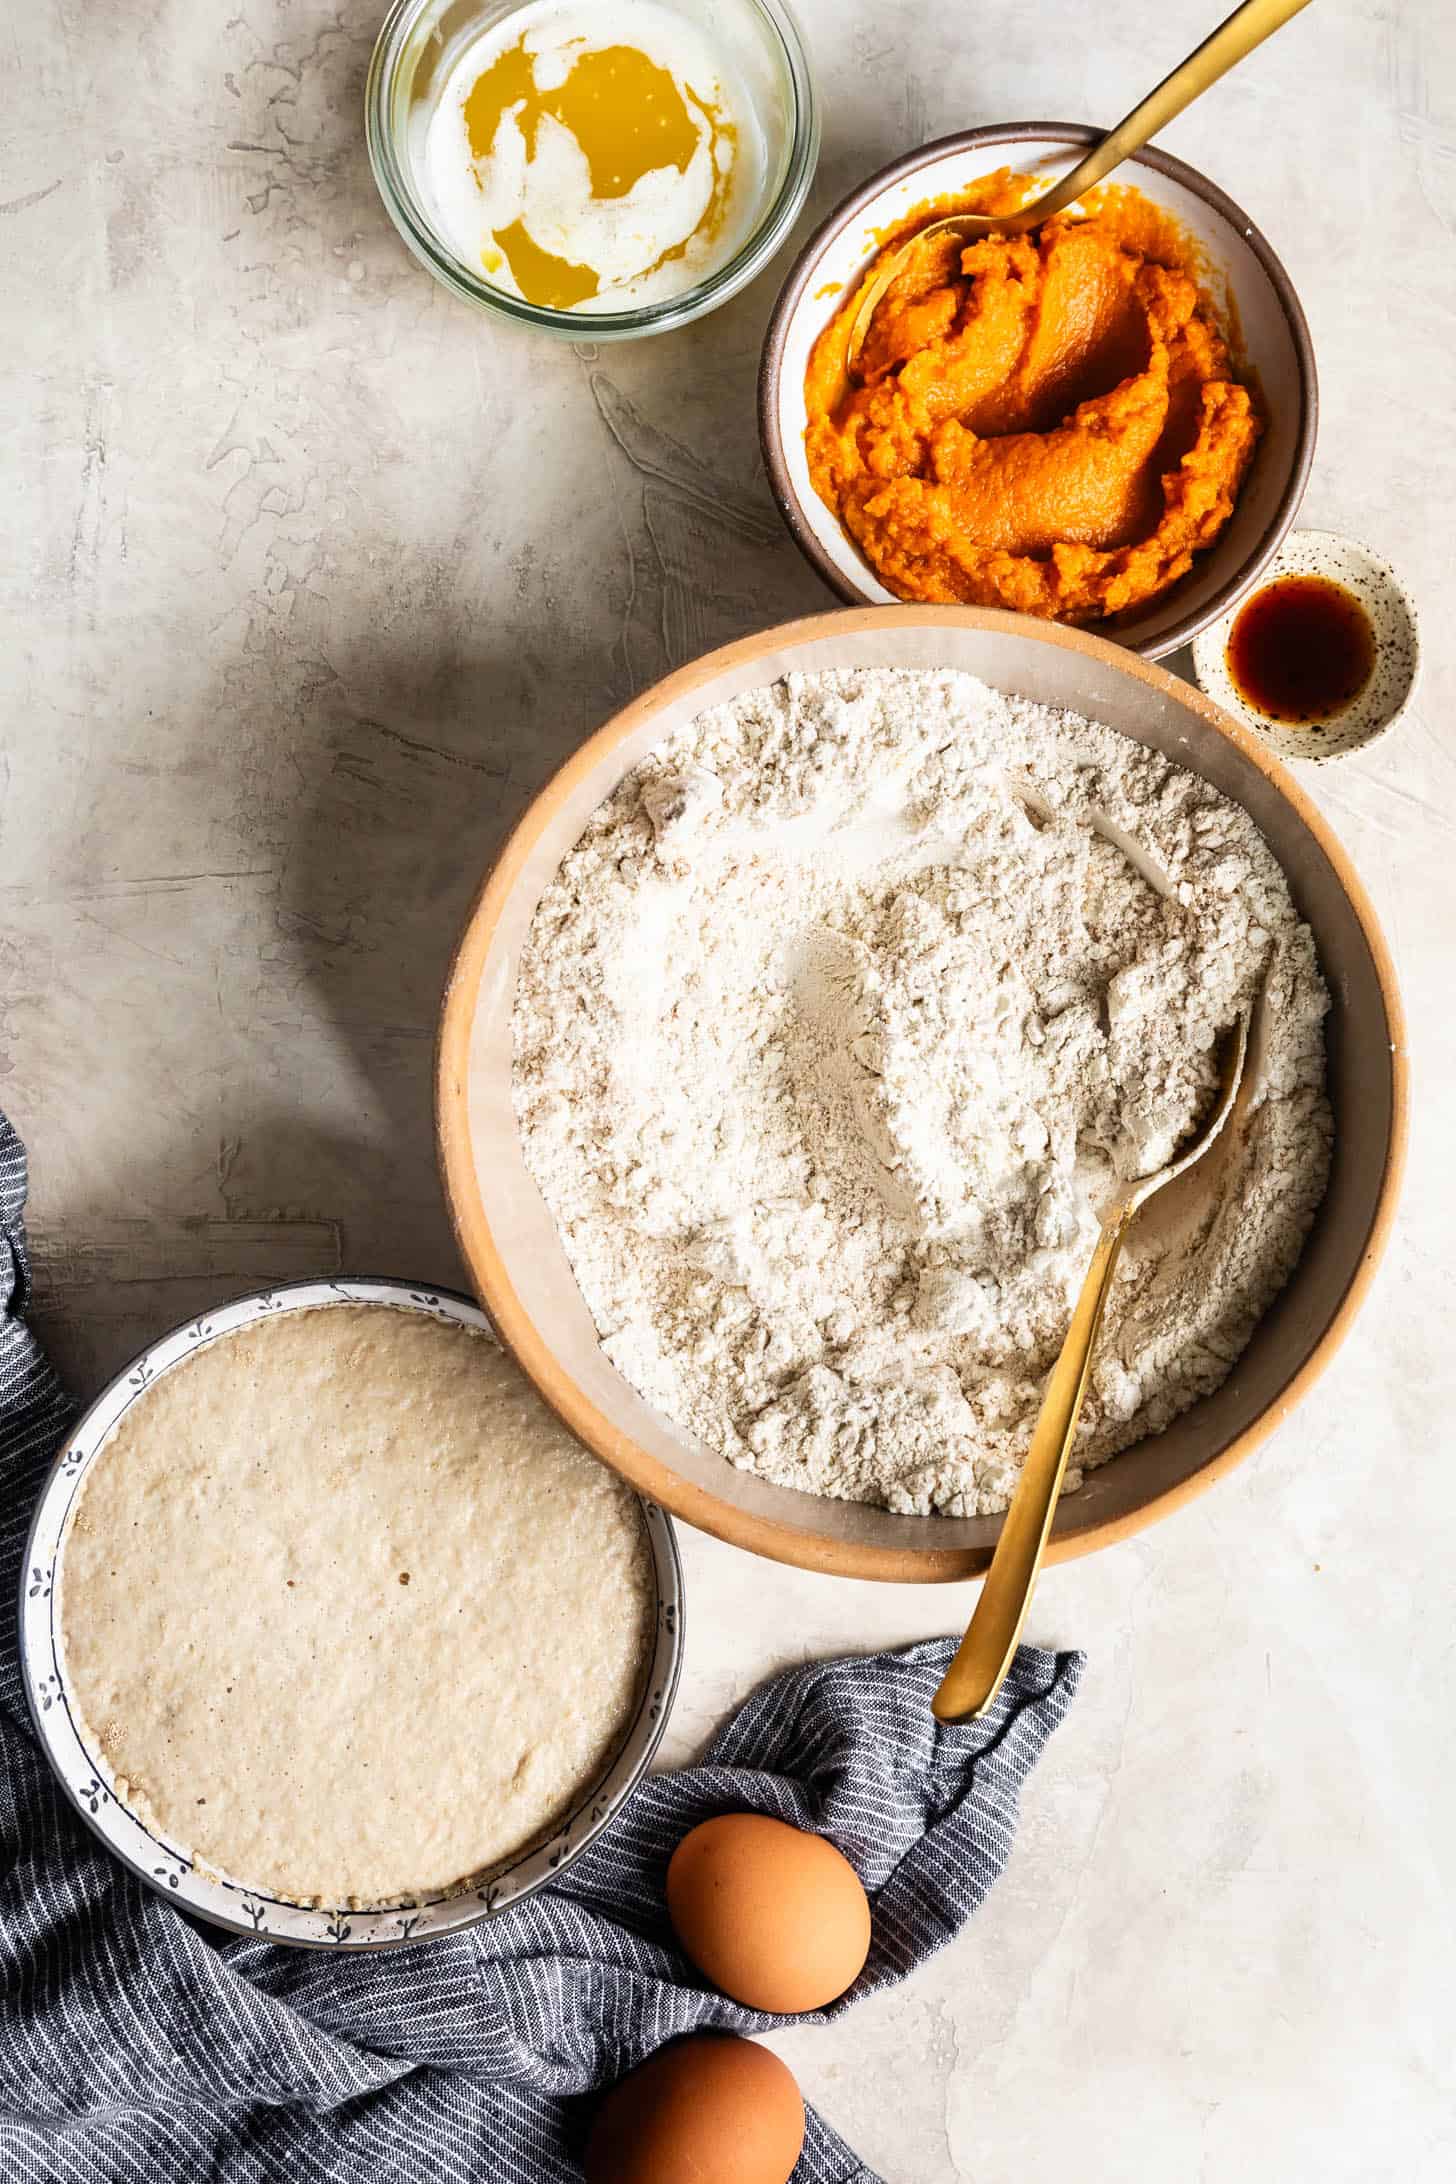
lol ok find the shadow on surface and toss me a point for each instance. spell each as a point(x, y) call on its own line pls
point(100, 1300)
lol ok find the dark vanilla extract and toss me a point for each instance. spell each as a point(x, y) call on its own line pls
point(1301, 649)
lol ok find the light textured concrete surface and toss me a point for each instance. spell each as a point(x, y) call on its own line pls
point(311, 577)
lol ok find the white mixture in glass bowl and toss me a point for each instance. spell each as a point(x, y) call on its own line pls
point(833, 1032)
point(591, 159)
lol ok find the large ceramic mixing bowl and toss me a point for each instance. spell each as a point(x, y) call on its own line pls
point(509, 1239)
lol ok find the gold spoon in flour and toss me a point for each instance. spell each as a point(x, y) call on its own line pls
point(1246, 28)
point(989, 1646)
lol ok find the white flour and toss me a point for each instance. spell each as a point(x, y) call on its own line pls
point(831, 1033)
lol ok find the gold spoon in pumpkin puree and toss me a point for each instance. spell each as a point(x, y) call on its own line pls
point(1246, 28)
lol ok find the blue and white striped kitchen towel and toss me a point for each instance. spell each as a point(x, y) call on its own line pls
point(139, 2048)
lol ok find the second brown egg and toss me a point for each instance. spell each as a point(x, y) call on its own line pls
point(775, 1917)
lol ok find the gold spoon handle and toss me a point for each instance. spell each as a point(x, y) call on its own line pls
point(1246, 28)
point(986, 1652)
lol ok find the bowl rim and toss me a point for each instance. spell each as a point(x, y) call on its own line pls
point(1076, 134)
point(633, 322)
point(232, 1905)
point(778, 1540)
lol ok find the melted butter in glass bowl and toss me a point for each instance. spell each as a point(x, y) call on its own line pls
point(589, 174)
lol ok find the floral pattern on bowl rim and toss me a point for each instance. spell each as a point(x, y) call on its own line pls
point(166, 1867)
point(1373, 710)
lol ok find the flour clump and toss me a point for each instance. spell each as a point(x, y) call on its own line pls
point(837, 1028)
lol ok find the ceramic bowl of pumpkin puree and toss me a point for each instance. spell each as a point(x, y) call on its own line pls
point(1107, 423)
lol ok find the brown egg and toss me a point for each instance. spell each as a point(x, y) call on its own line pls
point(775, 1917)
point(708, 2109)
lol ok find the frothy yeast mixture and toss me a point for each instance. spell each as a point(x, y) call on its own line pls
point(836, 1028)
point(590, 160)
point(346, 1614)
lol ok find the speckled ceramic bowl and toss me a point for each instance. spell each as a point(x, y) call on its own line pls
point(1246, 277)
point(162, 1864)
point(1392, 682)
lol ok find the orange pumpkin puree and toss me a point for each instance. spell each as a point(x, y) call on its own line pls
point(1049, 422)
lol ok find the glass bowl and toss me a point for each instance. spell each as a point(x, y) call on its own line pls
point(418, 45)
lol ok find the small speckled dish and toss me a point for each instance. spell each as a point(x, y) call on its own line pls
point(166, 1866)
point(1392, 683)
